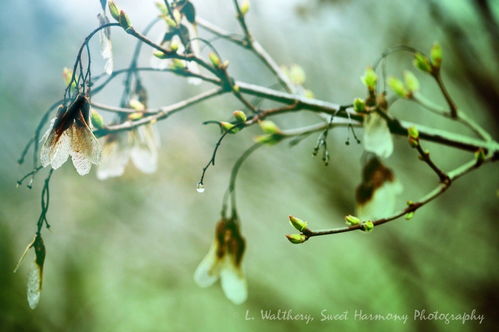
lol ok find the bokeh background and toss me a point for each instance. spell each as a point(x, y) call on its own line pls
point(121, 253)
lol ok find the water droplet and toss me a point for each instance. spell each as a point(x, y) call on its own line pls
point(200, 188)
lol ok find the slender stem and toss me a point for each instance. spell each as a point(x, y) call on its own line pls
point(445, 92)
point(242, 22)
point(425, 156)
point(461, 116)
point(231, 190)
point(150, 69)
point(133, 63)
point(256, 48)
point(211, 162)
point(216, 30)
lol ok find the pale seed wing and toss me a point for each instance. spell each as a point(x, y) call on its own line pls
point(233, 281)
point(55, 148)
point(85, 148)
point(105, 44)
point(208, 270)
point(115, 155)
point(145, 148)
point(196, 50)
point(377, 136)
point(34, 286)
point(383, 202)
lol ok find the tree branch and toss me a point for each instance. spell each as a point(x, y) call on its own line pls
point(159, 114)
point(412, 207)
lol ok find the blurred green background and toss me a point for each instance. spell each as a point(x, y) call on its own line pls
point(121, 253)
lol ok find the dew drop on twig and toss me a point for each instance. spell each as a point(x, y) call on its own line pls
point(200, 188)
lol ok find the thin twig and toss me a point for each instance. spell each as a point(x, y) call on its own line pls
point(256, 48)
point(440, 189)
point(159, 114)
point(425, 156)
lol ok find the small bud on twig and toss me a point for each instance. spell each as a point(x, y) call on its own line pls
point(97, 120)
point(245, 7)
point(114, 10)
point(359, 105)
point(124, 20)
point(269, 139)
point(413, 134)
point(352, 220)
point(367, 226)
point(240, 116)
point(422, 62)
point(269, 127)
point(297, 223)
point(398, 87)
point(370, 79)
point(296, 238)
point(411, 82)
point(409, 215)
point(436, 56)
point(215, 60)
point(480, 156)
point(160, 55)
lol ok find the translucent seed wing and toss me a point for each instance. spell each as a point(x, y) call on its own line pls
point(115, 155)
point(233, 282)
point(55, 148)
point(196, 50)
point(377, 137)
point(85, 148)
point(208, 270)
point(34, 286)
point(383, 202)
point(105, 44)
point(145, 148)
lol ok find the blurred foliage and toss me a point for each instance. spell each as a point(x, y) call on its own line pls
point(121, 253)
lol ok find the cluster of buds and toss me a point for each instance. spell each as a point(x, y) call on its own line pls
point(405, 89)
point(429, 64)
point(366, 226)
point(300, 226)
point(120, 16)
point(237, 124)
point(181, 37)
point(413, 135)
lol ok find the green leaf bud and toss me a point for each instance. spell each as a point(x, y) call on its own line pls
point(411, 81)
point(240, 116)
point(296, 238)
point(367, 226)
point(297, 223)
point(370, 79)
point(352, 220)
point(398, 87)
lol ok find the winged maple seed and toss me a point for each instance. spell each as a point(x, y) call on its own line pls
point(224, 261)
point(376, 195)
point(140, 145)
point(35, 279)
point(70, 135)
point(105, 44)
